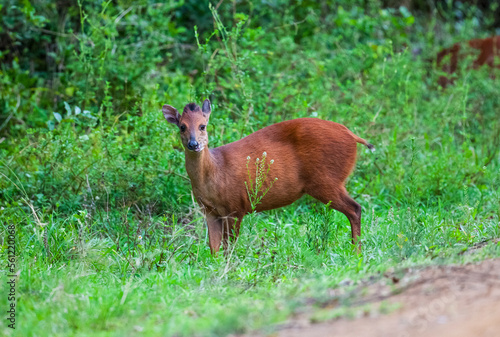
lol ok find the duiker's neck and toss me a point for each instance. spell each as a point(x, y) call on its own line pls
point(200, 166)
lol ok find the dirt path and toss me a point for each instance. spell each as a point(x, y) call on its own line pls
point(437, 301)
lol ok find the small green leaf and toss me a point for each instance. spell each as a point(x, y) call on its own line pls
point(68, 108)
point(58, 116)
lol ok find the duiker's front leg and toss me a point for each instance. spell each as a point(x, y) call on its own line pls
point(230, 231)
point(214, 225)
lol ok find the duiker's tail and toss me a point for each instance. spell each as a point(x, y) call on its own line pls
point(361, 141)
point(364, 142)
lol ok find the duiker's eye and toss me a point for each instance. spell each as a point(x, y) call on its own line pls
point(183, 128)
point(203, 127)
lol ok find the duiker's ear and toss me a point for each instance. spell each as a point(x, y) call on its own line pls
point(205, 109)
point(171, 114)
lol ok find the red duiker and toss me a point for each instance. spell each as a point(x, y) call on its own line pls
point(308, 155)
point(488, 49)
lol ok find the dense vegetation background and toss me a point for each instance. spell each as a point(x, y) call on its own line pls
point(109, 237)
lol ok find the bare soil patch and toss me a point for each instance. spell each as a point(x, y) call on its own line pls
point(458, 300)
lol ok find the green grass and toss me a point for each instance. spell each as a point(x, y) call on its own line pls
point(109, 239)
point(83, 284)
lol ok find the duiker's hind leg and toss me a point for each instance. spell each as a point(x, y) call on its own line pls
point(342, 202)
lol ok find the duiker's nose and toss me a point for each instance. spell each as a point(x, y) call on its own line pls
point(192, 145)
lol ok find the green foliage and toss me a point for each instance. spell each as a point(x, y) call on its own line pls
point(111, 241)
point(320, 229)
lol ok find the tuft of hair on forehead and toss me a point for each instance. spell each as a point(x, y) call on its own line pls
point(191, 107)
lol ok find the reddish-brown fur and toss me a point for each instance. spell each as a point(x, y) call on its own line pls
point(488, 49)
point(311, 156)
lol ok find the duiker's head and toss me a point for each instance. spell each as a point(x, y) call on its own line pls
point(192, 124)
